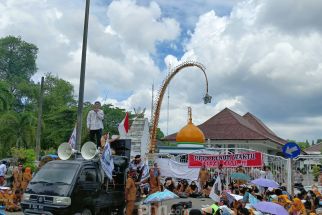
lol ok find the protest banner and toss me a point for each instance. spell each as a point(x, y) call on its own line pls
point(248, 159)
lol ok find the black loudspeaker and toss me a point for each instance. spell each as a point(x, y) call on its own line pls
point(122, 147)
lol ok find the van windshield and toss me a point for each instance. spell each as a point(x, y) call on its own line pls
point(62, 173)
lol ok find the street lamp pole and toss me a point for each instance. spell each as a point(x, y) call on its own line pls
point(82, 80)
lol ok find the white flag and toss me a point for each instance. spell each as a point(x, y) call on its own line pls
point(107, 159)
point(72, 139)
point(213, 195)
point(217, 185)
point(145, 171)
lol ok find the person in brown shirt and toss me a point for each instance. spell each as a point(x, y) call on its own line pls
point(17, 178)
point(130, 192)
point(203, 176)
point(154, 179)
point(26, 178)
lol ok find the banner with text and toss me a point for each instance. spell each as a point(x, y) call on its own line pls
point(248, 159)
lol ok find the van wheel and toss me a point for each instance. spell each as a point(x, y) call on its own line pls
point(86, 212)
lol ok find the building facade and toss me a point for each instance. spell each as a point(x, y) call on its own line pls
point(228, 129)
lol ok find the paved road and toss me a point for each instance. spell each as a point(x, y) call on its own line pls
point(166, 205)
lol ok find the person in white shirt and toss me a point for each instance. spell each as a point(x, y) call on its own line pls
point(3, 170)
point(95, 123)
point(268, 173)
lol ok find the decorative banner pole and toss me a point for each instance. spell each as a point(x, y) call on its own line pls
point(157, 105)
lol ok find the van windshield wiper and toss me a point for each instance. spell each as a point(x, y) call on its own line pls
point(40, 182)
point(62, 183)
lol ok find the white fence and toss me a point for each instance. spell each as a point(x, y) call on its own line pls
point(280, 167)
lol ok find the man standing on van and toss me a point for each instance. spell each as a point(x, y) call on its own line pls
point(95, 123)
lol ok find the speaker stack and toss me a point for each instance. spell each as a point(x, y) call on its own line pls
point(122, 147)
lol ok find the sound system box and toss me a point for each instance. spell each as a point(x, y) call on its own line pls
point(122, 147)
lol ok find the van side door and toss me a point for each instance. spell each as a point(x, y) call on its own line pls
point(88, 187)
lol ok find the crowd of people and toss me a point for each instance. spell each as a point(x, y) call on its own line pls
point(303, 203)
point(13, 182)
point(232, 196)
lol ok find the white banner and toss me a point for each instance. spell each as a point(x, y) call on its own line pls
point(72, 139)
point(107, 160)
point(171, 168)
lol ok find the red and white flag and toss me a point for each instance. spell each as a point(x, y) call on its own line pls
point(124, 126)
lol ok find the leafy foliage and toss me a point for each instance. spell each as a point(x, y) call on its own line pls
point(17, 65)
point(19, 129)
point(160, 134)
point(25, 156)
point(316, 172)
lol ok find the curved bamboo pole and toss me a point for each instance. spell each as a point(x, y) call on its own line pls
point(157, 108)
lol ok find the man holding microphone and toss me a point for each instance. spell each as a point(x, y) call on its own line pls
point(95, 123)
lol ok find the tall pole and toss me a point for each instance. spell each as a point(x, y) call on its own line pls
point(38, 134)
point(82, 81)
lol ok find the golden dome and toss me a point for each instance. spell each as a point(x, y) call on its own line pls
point(190, 133)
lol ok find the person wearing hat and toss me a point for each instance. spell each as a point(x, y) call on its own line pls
point(130, 192)
point(136, 164)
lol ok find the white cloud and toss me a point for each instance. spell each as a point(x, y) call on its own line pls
point(141, 27)
point(264, 56)
point(119, 52)
point(274, 70)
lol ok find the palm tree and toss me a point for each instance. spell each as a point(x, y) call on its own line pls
point(19, 128)
point(6, 97)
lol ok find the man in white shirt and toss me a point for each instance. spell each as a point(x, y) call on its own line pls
point(95, 123)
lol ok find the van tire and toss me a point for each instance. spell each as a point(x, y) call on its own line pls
point(86, 212)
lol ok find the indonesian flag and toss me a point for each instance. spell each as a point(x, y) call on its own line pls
point(124, 126)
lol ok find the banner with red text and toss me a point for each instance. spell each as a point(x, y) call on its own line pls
point(248, 159)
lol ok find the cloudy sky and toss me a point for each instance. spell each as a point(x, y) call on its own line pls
point(261, 56)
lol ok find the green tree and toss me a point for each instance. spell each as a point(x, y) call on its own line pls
point(59, 125)
point(19, 130)
point(17, 60)
point(303, 145)
point(59, 111)
point(57, 93)
point(160, 134)
point(6, 97)
point(25, 156)
point(113, 117)
point(17, 65)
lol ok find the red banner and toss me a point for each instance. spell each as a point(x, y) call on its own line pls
point(249, 159)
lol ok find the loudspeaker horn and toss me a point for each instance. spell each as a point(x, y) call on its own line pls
point(89, 150)
point(65, 151)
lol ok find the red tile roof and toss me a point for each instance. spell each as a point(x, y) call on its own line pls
point(228, 125)
point(314, 148)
